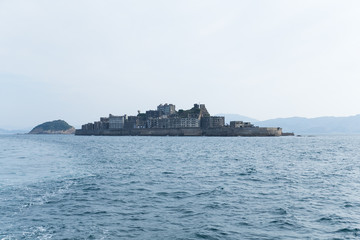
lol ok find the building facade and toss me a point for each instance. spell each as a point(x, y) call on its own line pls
point(212, 122)
point(116, 122)
point(166, 109)
point(240, 124)
point(173, 123)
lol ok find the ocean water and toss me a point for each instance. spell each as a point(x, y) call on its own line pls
point(87, 187)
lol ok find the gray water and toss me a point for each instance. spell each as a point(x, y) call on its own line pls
point(72, 187)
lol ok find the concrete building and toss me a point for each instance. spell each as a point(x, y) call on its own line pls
point(248, 124)
point(166, 109)
point(190, 122)
point(203, 111)
point(130, 122)
point(173, 123)
point(88, 126)
point(152, 123)
point(212, 122)
point(116, 122)
point(152, 114)
point(97, 125)
point(236, 124)
point(240, 124)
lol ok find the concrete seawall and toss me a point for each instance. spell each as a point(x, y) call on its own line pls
point(256, 131)
point(224, 131)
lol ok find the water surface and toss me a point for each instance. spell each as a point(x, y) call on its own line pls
point(86, 187)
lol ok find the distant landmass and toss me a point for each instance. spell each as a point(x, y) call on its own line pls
point(19, 131)
point(54, 127)
point(236, 117)
point(320, 125)
point(301, 125)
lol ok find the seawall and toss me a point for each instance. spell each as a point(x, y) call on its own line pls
point(251, 131)
point(143, 132)
point(223, 131)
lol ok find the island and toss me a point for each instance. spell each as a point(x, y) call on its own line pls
point(53, 127)
point(166, 121)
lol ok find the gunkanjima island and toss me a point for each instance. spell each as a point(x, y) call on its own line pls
point(166, 121)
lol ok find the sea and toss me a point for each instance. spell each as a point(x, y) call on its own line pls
point(123, 187)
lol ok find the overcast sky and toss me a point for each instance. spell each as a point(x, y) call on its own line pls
point(79, 60)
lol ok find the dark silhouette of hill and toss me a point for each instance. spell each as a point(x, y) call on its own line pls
point(54, 127)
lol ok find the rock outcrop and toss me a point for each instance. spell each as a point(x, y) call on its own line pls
point(54, 127)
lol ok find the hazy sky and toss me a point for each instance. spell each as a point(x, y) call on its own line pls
point(79, 60)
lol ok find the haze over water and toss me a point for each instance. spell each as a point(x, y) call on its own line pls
point(72, 187)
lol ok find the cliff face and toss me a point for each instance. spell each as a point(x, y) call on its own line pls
point(54, 127)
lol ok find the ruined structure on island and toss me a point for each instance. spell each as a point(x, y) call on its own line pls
point(166, 121)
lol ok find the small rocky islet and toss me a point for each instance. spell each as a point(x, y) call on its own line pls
point(53, 127)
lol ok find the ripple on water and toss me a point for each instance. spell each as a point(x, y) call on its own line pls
point(67, 187)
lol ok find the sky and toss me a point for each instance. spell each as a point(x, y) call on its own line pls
point(80, 60)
